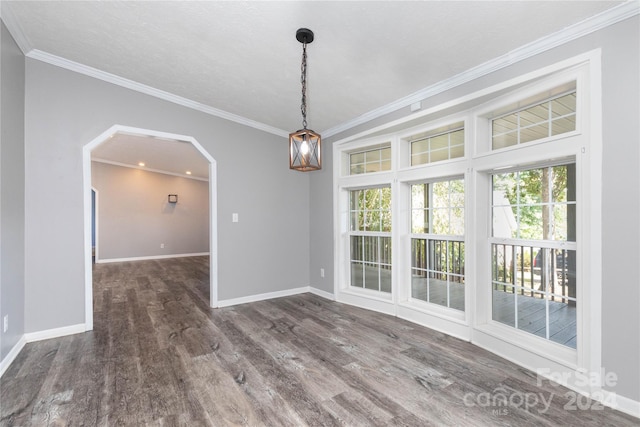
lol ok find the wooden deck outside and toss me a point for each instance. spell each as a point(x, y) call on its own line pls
point(531, 311)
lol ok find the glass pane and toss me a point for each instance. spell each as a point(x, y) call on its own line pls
point(457, 151)
point(457, 137)
point(354, 221)
point(536, 114)
point(563, 105)
point(385, 154)
point(372, 167)
point(559, 223)
point(456, 295)
point(370, 248)
point(385, 165)
point(419, 146)
point(505, 124)
point(418, 253)
point(562, 322)
point(418, 285)
point(419, 220)
point(385, 279)
point(440, 194)
point(456, 225)
point(356, 198)
point(564, 183)
point(440, 221)
point(372, 156)
point(533, 186)
point(504, 140)
point(503, 305)
point(357, 276)
point(385, 250)
point(504, 222)
point(457, 192)
point(385, 201)
point(356, 169)
point(439, 155)
point(371, 277)
point(439, 142)
point(534, 132)
point(356, 248)
point(532, 314)
point(438, 289)
point(563, 125)
point(531, 224)
point(418, 193)
point(504, 189)
point(356, 158)
point(419, 159)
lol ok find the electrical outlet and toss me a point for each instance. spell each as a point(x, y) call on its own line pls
point(322, 272)
point(161, 245)
point(5, 323)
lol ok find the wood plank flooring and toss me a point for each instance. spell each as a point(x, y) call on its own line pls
point(160, 356)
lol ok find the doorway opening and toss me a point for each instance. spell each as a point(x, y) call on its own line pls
point(90, 210)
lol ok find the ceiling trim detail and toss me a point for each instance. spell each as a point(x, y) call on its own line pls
point(580, 29)
point(590, 25)
point(14, 28)
point(146, 169)
point(148, 90)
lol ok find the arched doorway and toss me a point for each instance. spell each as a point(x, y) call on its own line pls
point(87, 184)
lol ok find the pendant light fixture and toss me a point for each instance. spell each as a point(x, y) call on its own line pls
point(304, 144)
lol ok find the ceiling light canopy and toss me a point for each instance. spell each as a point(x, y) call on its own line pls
point(304, 144)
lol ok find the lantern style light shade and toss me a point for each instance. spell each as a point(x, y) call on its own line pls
point(305, 150)
point(304, 145)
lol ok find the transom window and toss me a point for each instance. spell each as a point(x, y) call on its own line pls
point(437, 243)
point(552, 117)
point(435, 148)
point(370, 238)
point(371, 160)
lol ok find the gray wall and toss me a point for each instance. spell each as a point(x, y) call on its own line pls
point(135, 217)
point(620, 210)
point(11, 192)
point(266, 251)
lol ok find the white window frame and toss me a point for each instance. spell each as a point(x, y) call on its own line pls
point(475, 324)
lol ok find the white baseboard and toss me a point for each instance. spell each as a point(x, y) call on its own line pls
point(6, 362)
point(144, 258)
point(55, 333)
point(277, 294)
point(620, 403)
point(321, 293)
point(262, 297)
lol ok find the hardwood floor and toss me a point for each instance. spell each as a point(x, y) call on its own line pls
point(159, 356)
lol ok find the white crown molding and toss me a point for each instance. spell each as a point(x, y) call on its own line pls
point(144, 168)
point(580, 29)
point(148, 90)
point(14, 27)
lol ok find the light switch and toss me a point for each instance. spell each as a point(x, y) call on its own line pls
point(234, 217)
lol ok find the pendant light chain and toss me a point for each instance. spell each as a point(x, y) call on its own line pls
point(303, 80)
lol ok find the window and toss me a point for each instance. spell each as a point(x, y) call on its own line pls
point(533, 251)
point(435, 148)
point(549, 118)
point(372, 160)
point(437, 243)
point(494, 236)
point(370, 238)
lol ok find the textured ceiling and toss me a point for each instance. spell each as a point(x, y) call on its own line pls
point(243, 58)
point(157, 154)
